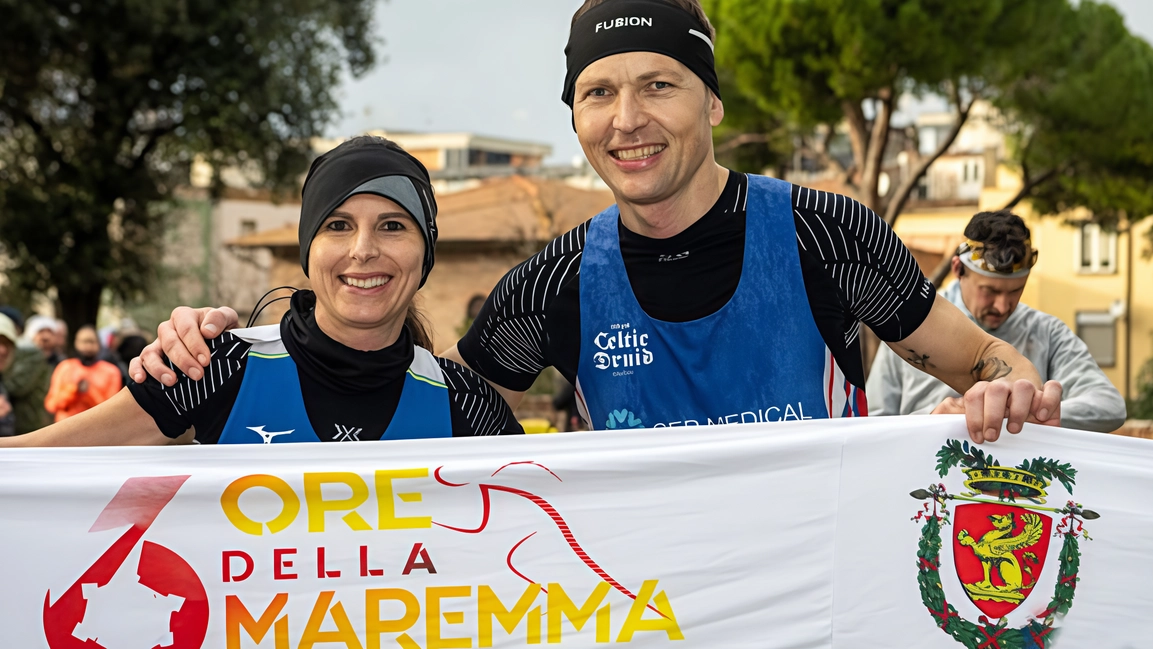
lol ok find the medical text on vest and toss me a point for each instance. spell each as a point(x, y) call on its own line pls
point(788, 412)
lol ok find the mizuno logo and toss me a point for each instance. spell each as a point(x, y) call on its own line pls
point(347, 433)
point(268, 435)
point(677, 257)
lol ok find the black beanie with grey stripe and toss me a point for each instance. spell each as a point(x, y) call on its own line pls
point(367, 165)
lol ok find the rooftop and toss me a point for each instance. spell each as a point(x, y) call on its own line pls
point(514, 209)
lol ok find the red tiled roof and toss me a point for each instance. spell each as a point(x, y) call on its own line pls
point(510, 209)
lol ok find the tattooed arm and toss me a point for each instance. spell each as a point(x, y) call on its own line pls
point(997, 381)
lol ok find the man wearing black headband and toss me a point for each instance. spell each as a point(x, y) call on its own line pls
point(704, 295)
point(707, 296)
point(992, 268)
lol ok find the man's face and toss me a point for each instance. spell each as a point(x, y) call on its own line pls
point(991, 300)
point(45, 340)
point(87, 345)
point(6, 347)
point(61, 336)
point(645, 123)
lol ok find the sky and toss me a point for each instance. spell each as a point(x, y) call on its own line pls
point(492, 67)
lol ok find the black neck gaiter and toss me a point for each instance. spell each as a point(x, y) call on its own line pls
point(334, 365)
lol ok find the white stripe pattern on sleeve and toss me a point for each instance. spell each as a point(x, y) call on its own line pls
point(187, 394)
point(515, 334)
point(875, 272)
point(483, 407)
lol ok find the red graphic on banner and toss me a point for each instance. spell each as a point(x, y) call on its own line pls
point(999, 550)
point(86, 615)
point(547, 508)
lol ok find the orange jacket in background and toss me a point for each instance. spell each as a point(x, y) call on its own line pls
point(64, 395)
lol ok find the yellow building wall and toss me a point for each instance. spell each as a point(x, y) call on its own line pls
point(1057, 286)
point(432, 159)
point(933, 230)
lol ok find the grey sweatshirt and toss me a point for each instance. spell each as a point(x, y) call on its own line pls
point(1089, 401)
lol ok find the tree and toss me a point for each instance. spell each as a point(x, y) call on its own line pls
point(103, 106)
point(750, 138)
point(1080, 124)
point(822, 62)
point(1077, 118)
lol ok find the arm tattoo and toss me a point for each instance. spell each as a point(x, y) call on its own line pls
point(989, 369)
point(920, 361)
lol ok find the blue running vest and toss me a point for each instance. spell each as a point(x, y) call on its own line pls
point(759, 358)
point(270, 407)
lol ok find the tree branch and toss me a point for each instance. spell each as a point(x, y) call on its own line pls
point(875, 154)
point(42, 135)
point(937, 277)
point(154, 137)
point(905, 189)
point(858, 126)
point(741, 140)
point(845, 174)
point(1029, 186)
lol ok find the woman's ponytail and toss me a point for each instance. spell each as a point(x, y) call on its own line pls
point(418, 327)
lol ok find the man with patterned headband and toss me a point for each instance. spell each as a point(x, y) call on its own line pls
point(704, 295)
point(992, 267)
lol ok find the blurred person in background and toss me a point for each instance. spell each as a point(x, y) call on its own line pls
point(82, 382)
point(61, 349)
point(130, 347)
point(992, 268)
point(43, 334)
point(8, 338)
point(122, 345)
point(564, 402)
point(26, 378)
point(110, 339)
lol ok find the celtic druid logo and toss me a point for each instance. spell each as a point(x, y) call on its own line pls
point(1000, 545)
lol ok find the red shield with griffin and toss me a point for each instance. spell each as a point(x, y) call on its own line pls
point(999, 550)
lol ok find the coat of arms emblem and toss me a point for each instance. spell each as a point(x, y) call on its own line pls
point(1000, 545)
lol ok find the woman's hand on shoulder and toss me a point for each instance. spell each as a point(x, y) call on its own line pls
point(181, 339)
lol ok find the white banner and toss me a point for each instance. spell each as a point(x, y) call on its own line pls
point(883, 533)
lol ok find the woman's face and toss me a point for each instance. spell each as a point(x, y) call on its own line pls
point(365, 267)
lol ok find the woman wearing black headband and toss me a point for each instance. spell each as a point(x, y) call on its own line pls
point(345, 363)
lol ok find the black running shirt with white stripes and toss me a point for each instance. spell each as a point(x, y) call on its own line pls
point(854, 267)
point(336, 415)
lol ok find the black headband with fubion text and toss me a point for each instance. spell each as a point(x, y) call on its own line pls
point(620, 26)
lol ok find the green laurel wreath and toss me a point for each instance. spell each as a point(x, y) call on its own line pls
point(1037, 634)
point(957, 453)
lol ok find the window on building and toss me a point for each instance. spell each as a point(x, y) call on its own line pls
point(1096, 249)
point(478, 158)
point(247, 227)
point(1099, 331)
